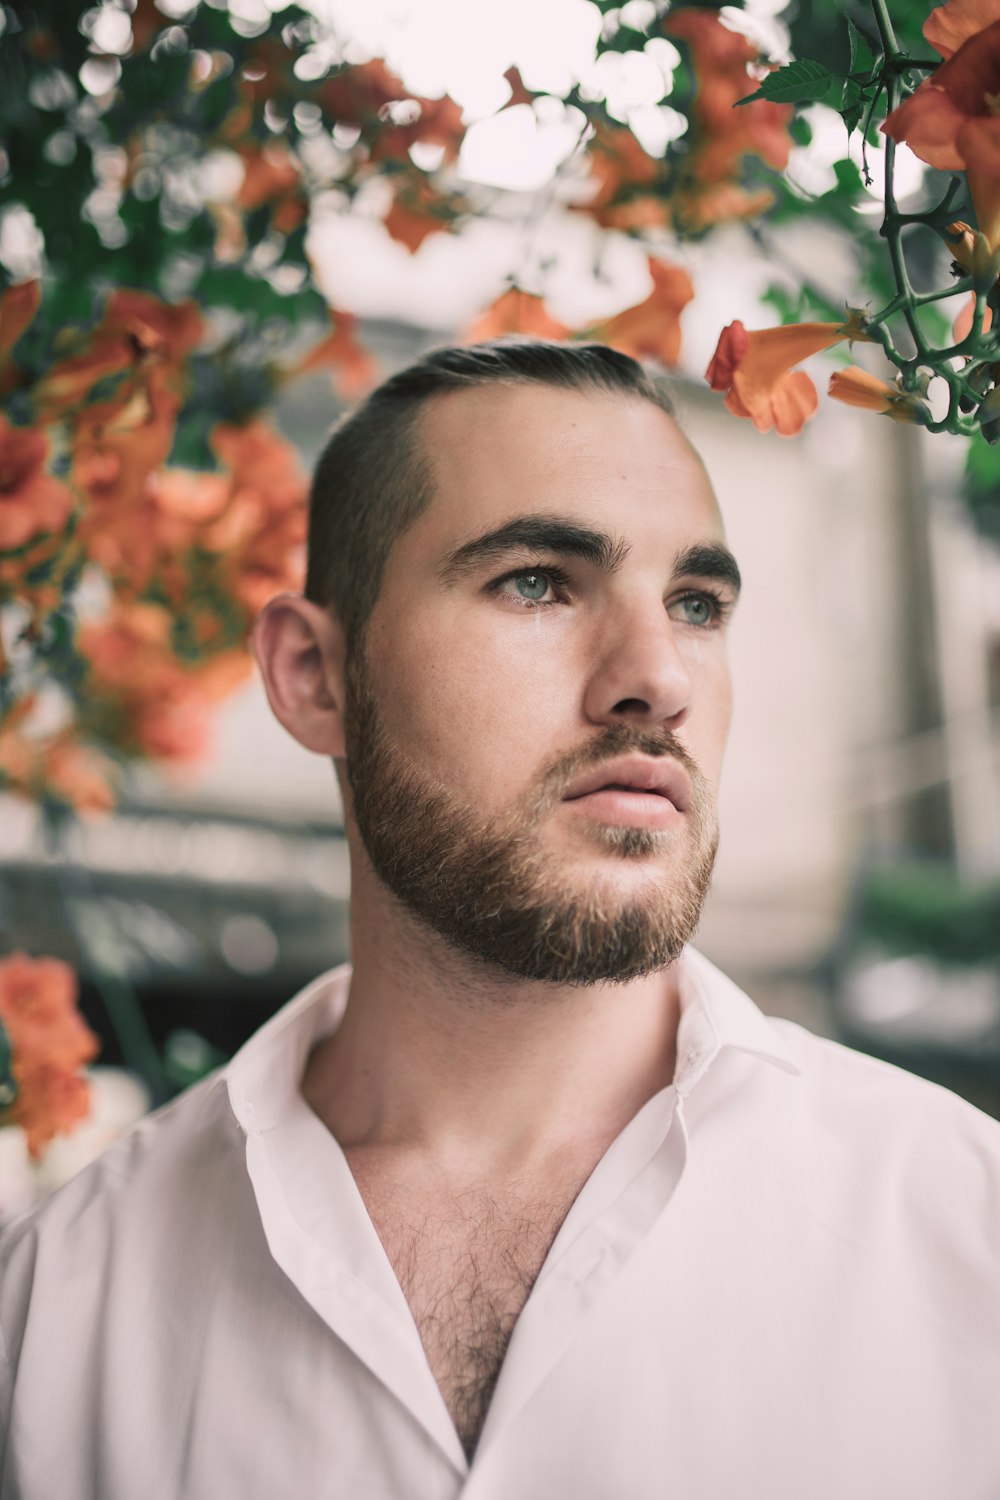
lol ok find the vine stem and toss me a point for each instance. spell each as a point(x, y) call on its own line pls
point(892, 222)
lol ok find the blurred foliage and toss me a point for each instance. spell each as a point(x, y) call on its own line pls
point(160, 171)
point(927, 909)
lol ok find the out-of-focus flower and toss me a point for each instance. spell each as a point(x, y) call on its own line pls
point(948, 26)
point(724, 134)
point(59, 769)
point(353, 366)
point(78, 776)
point(38, 1010)
point(262, 532)
point(652, 329)
point(756, 370)
point(17, 757)
point(623, 176)
point(272, 175)
point(857, 387)
point(32, 501)
point(147, 23)
point(515, 312)
point(176, 727)
point(951, 122)
point(416, 213)
point(519, 94)
point(137, 330)
point(704, 205)
point(392, 119)
point(116, 446)
point(49, 1041)
point(49, 1102)
point(146, 700)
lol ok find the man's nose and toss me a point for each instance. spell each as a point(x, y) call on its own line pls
point(640, 675)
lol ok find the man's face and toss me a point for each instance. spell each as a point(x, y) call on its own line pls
point(536, 728)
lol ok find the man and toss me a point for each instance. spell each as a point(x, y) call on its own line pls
point(532, 1203)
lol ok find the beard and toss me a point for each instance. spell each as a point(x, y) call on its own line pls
point(489, 887)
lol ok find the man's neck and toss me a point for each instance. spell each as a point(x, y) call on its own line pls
point(443, 1059)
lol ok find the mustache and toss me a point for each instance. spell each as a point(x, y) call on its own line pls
point(615, 740)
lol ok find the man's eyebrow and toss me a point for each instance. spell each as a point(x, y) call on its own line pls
point(537, 534)
point(710, 560)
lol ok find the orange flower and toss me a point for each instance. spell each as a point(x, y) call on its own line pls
point(136, 682)
point(50, 1102)
point(17, 757)
point(127, 650)
point(171, 330)
point(416, 213)
point(32, 501)
point(952, 122)
point(271, 175)
point(652, 329)
point(720, 58)
point(116, 446)
point(372, 97)
point(519, 94)
point(352, 365)
point(223, 674)
point(617, 165)
point(147, 23)
point(756, 371)
point(702, 205)
point(77, 776)
point(947, 27)
point(856, 387)
point(962, 326)
point(515, 312)
point(39, 1014)
point(176, 728)
point(136, 329)
point(263, 531)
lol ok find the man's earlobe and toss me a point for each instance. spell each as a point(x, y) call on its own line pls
point(300, 650)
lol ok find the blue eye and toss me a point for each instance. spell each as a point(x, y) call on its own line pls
point(532, 586)
point(701, 610)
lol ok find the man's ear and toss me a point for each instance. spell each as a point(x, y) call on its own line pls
point(300, 650)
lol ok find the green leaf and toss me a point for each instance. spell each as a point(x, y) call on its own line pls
point(862, 57)
point(853, 103)
point(8, 1087)
point(800, 130)
point(801, 82)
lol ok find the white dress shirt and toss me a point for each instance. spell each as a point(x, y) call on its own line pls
point(781, 1282)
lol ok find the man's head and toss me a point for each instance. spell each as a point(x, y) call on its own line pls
point(376, 473)
point(516, 601)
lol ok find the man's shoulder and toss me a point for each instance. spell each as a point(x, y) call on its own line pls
point(839, 1072)
point(168, 1157)
point(902, 1130)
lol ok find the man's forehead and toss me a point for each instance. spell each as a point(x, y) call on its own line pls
point(530, 443)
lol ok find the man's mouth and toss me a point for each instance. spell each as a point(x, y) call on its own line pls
point(633, 791)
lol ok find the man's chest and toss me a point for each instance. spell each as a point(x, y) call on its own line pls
point(466, 1265)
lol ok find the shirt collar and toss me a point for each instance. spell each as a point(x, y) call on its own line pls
point(267, 1070)
point(716, 1013)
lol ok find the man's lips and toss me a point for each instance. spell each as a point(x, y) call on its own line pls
point(636, 775)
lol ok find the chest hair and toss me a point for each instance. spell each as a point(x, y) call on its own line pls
point(466, 1264)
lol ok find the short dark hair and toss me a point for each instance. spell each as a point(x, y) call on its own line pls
point(373, 480)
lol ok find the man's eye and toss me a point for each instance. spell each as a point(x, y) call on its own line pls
point(697, 609)
point(528, 586)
